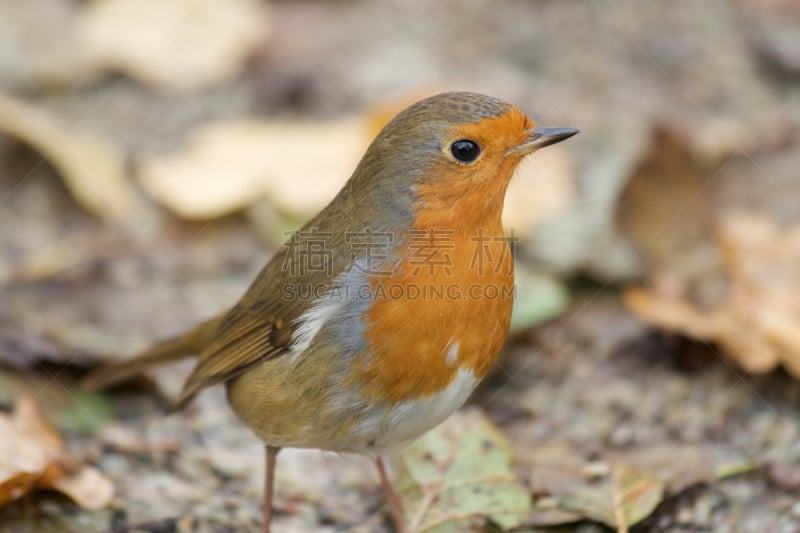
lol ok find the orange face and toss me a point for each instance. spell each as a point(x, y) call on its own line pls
point(486, 176)
point(473, 191)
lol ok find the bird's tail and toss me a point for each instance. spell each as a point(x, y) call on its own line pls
point(167, 351)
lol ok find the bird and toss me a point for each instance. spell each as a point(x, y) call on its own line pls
point(375, 321)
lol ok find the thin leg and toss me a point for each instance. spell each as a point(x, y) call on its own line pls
point(269, 481)
point(392, 497)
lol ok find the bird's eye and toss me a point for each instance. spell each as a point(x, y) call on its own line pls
point(465, 150)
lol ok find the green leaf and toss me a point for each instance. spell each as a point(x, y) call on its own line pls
point(539, 298)
point(460, 474)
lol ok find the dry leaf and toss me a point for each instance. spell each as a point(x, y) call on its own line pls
point(93, 169)
point(666, 208)
point(32, 457)
point(615, 494)
point(459, 474)
point(621, 498)
point(228, 166)
point(621, 488)
point(28, 448)
point(180, 44)
point(758, 320)
point(87, 487)
point(715, 274)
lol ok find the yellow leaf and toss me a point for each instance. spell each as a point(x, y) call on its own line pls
point(227, 166)
point(93, 169)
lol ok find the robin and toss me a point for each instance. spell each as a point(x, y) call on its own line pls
point(377, 319)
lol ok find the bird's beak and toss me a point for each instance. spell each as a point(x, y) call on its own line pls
point(541, 137)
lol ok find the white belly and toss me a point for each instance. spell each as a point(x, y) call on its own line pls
point(410, 419)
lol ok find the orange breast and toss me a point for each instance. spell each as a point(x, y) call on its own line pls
point(448, 306)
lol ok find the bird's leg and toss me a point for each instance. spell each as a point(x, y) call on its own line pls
point(391, 496)
point(269, 482)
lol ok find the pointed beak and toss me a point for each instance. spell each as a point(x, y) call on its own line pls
point(541, 137)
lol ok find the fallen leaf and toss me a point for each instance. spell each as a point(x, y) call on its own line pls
point(230, 165)
point(178, 44)
point(32, 457)
point(28, 447)
point(666, 208)
point(459, 474)
point(622, 498)
point(718, 269)
point(87, 487)
point(92, 168)
point(757, 322)
point(681, 465)
point(620, 487)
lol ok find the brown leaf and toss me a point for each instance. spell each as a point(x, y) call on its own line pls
point(567, 488)
point(28, 446)
point(619, 488)
point(87, 487)
point(758, 320)
point(666, 211)
point(719, 269)
point(32, 457)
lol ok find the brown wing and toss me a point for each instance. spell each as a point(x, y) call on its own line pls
point(243, 340)
point(260, 326)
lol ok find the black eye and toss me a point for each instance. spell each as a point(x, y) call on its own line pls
point(465, 150)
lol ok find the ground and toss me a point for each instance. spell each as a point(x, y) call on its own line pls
point(592, 386)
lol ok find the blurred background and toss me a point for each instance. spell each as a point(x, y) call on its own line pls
point(154, 154)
